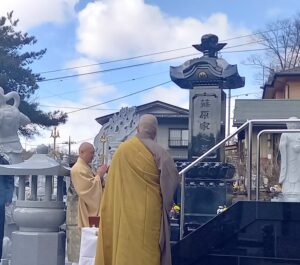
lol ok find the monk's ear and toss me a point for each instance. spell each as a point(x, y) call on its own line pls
point(155, 137)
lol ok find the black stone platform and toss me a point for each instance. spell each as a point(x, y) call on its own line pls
point(261, 233)
point(208, 185)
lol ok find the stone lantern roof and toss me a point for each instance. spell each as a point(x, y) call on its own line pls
point(208, 70)
point(38, 164)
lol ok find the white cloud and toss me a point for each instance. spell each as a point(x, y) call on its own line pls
point(173, 95)
point(35, 12)
point(81, 125)
point(118, 28)
point(91, 86)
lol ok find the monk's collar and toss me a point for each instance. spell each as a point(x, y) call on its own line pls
point(143, 136)
point(83, 162)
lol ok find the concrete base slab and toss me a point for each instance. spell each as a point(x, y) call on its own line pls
point(38, 248)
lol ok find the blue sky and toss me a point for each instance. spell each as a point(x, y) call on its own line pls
point(82, 32)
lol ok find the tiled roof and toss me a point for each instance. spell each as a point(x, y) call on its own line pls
point(163, 110)
point(249, 109)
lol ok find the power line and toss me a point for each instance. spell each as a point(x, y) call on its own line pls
point(124, 81)
point(77, 142)
point(114, 61)
point(127, 80)
point(76, 108)
point(119, 82)
point(245, 94)
point(151, 54)
point(256, 33)
point(243, 44)
point(250, 50)
point(116, 68)
point(138, 65)
point(125, 96)
point(62, 143)
point(109, 84)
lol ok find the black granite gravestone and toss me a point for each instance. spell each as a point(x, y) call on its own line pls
point(206, 77)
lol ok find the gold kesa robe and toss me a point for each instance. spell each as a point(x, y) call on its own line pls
point(89, 190)
point(132, 209)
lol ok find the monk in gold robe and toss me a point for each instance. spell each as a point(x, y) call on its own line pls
point(87, 185)
point(134, 227)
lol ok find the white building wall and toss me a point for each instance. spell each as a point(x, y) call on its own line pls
point(163, 138)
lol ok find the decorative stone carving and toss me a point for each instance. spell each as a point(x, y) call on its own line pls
point(118, 129)
point(11, 119)
point(289, 147)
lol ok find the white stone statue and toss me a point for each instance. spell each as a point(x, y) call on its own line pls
point(11, 119)
point(289, 147)
point(118, 129)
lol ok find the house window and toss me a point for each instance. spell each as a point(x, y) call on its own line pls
point(178, 137)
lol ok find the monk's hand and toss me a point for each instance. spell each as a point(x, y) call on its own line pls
point(101, 171)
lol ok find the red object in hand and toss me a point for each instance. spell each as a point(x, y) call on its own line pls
point(94, 221)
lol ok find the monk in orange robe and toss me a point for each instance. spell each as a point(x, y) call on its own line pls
point(134, 227)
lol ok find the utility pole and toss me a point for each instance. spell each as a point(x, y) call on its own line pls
point(69, 145)
point(54, 135)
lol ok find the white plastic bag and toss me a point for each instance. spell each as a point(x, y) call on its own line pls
point(88, 245)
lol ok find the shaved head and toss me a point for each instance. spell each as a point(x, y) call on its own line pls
point(293, 125)
point(147, 127)
point(85, 146)
point(86, 152)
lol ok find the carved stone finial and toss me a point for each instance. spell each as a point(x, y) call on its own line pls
point(209, 45)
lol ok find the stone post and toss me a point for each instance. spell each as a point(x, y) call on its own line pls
point(206, 121)
point(206, 77)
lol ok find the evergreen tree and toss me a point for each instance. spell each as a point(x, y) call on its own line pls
point(16, 75)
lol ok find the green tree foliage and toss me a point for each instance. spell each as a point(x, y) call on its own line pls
point(16, 75)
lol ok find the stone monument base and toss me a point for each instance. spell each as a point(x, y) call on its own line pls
point(38, 248)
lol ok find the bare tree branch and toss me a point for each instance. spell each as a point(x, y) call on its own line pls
point(282, 40)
